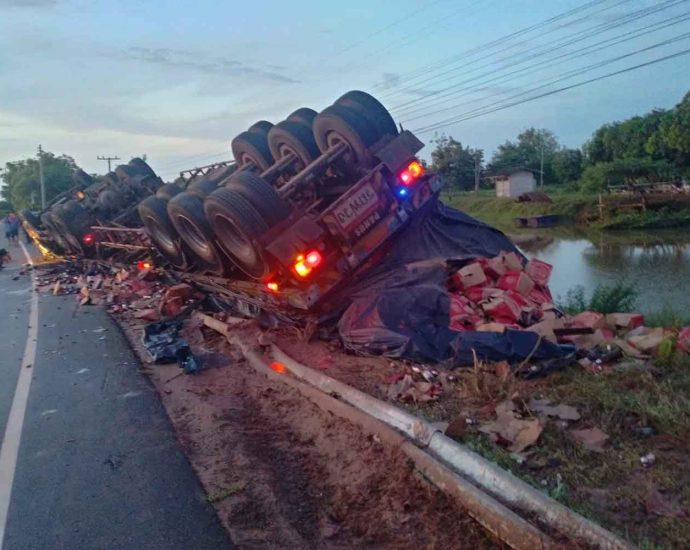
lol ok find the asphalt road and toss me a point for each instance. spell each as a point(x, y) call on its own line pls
point(98, 465)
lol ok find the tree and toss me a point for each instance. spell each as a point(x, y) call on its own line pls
point(673, 138)
point(455, 163)
point(598, 177)
point(22, 183)
point(567, 165)
point(526, 153)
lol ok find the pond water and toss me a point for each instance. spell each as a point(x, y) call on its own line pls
point(656, 262)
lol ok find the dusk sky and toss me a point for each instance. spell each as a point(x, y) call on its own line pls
point(176, 81)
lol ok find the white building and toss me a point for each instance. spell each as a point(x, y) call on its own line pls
point(514, 184)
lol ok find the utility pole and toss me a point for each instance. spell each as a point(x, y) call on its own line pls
point(40, 177)
point(108, 159)
point(477, 171)
point(541, 167)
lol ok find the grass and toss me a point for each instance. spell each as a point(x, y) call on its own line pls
point(577, 208)
point(222, 494)
point(617, 298)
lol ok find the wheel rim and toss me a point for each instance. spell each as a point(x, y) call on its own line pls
point(285, 150)
point(196, 239)
point(160, 235)
point(333, 138)
point(239, 246)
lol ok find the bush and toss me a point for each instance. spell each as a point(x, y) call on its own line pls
point(618, 298)
point(598, 177)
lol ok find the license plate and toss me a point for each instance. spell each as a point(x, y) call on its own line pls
point(356, 206)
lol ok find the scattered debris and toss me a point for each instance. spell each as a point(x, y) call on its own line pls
point(592, 439)
point(564, 412)
point(516, 433)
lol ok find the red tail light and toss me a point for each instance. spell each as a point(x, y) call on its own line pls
point(273, 286)
point(141, 265)
point(305, 264)
point(88, 239)
point(412, 173)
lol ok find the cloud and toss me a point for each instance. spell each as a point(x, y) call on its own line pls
point(218, 66)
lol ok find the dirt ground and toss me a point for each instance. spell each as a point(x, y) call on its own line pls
point(643, 407)
point(284, 474)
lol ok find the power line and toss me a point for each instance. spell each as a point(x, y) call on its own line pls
point(483, 48)
point(586, 69)
point(462, 118)
point(503, 78)
point(528, 55)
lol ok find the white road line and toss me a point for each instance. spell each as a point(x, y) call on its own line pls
point(15, 422)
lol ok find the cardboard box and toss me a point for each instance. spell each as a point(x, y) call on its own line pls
point(540, 295)
point(516, 280)
point(649, 341)
point(625, 320)
point(494, 267)
point(589, 319)
point(512, 262)
point(469, 276)
point(491, 327)
point(540, 272)
point(546, 328)
point(503, 310)
point(460, 306)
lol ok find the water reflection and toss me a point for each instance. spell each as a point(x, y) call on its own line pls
point(658, 263)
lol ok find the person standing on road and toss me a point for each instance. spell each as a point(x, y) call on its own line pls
point(12, 228)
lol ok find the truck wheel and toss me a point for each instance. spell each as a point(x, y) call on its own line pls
point(111, 178)
point(261, 127)
point(338, 124)
point(126, 172)
point(370, 108)
point(49, 223)
point(154, 215)
point(261, 195)
point(186, 211)
point(202, 188)
point(303, 115)
point(252, 147)
point(142, 167)
point(237, 225)
point(74, 222)
point(293, 138)
point(82, 178)
point(168, 191)
point(219, 175)
point(31, 218)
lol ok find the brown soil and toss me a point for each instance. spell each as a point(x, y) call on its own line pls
point(284, 474)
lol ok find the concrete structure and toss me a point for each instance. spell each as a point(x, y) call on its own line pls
point(514, 184)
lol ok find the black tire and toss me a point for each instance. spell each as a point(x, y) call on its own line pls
point(202, 188)
point(304, 115)
point(142, 167)
point(32, 219)
point(221, 174)
point(111, 178)
point(168, 191)
point(187, 215)
point(370, 108)
point(126, 172)
point(82, 178)
point(74, 222)
point(49, 225)
point(338, 124)
point(261, 195)
point(291, 137)
point(153, 212)
point(111, 199)
point(237, 225)
point(261, 127)
point(252, 147)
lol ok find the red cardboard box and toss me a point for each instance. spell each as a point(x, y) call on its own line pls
point(503, 310)
point(539, 271)
point(512, 262)
point(589, 319)
point(516, 280)
point(540, 295)
point(625, 320)
point(469, 276)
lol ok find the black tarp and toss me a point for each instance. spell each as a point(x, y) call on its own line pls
point(400, 308)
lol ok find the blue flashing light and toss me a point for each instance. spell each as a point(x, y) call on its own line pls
point(402, 192)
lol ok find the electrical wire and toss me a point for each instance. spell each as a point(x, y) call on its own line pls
point(462, 118)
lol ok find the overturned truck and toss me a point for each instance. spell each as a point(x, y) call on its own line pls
point(307, 203)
